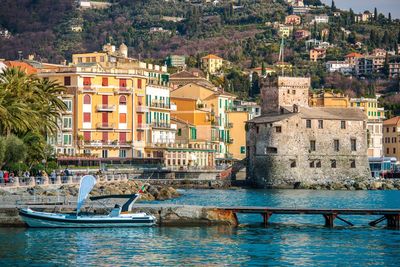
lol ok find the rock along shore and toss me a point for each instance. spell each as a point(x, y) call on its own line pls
point(370, 184)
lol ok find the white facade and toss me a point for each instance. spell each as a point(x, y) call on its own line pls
point(158, 115)
point(339, 66)
point(375, 138)
point(321, 19)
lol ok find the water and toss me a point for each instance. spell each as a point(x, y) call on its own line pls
point(290, 240)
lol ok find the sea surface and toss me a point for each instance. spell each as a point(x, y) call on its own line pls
point(288, 241)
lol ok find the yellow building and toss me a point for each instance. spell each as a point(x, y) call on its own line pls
point(237, 137)
point(107, 91)
point(370, 106)
point(208, 109)
point(102, 121)
point(211, 63)
point(329, 99)
point(391, 137)
point(285, 31)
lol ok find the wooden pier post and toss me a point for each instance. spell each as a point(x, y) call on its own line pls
point(329, 218)
point(266, 217)
point(393, 221)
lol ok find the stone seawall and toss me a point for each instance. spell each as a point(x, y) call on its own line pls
point(167, 215)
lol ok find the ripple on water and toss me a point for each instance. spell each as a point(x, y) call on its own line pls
point(289, 240)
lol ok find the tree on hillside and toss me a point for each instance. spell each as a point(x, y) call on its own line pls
point(333, 6)
point(375, 14)
point(385, 69)
point(390, 17)
point(255, 85)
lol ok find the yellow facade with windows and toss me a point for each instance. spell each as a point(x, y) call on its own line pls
point(211, 63)
point(329, 99)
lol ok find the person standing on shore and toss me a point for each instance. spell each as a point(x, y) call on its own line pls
point(1, 176)
point(53, 176)
point(6, 177)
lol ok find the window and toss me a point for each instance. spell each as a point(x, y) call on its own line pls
point(272, 150)
point(122, 153)
point(308, 123)
point(242, 150)
point(352, 163)
point(122, 100)
point(343, 124)
point(86, 117)
point(68, 103)
point(387, 150)
point(320, 124)
point(387, 129)
point(312, 145)
point(104, 81)
point(122, 83)
point(278, 129)
point(179, 132)
point(318, 164)
point(86, 81)
point(336, 145)
point(312, 165)
point(67, 80)
point(86, 100)
point(394, 150)
point(333, 163)
point(67, 138)
point(139, 83)
point(353, 142)
point(104, 153)
point(67, 123)
point(122, 118)
point(86, 136)
point(293, 163)
point(257, 129)
point(394, 129)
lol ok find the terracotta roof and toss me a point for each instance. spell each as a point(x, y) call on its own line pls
point(211, 56)
point(28, 69)
point(354, 54)
point(184, 74)
point(392, 121)
point(332, 113)
point(181, 121)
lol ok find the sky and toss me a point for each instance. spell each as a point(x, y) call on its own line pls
point(383, 6)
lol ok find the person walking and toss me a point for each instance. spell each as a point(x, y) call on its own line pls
point(53, 177)
point(6, 180)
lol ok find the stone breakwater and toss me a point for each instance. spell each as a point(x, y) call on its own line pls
point(153, 192)
point(383, 184)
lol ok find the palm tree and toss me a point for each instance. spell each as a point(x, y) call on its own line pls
point(28, 103)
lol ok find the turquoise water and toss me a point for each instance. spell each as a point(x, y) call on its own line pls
point(289, 240)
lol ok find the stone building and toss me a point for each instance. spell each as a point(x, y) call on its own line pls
point(292, 142)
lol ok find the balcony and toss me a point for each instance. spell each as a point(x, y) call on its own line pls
point(105, 108)
point(141, 109)
point(100, 143)
point(158, 105)
point(141, 126)
point(162, 125)
point(230, 141)
point(123, 90)
point(88, 88)
point(105, 125)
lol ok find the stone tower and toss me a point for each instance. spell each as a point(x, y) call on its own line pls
point(284, 92)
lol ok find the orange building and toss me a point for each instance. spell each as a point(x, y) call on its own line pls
point(317, 53)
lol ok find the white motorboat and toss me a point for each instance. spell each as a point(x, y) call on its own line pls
point(118, 217)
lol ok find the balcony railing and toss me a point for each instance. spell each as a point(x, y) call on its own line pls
point(100, 143)
point(160, 105)
point(142, 126)
point(105, 125)
point(160, 125)
point(123, 90)
point(88, 88)
point(229, 125)
point(105, 108)
point(141, 109)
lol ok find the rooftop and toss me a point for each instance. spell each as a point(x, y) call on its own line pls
point(211, 56)
point(392, 121)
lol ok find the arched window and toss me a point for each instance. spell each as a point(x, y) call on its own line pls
point(86, 99)
point(122, 100)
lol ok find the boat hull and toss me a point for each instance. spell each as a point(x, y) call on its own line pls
point(53, 220)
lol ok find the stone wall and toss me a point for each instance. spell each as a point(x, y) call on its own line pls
point(281, 159)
